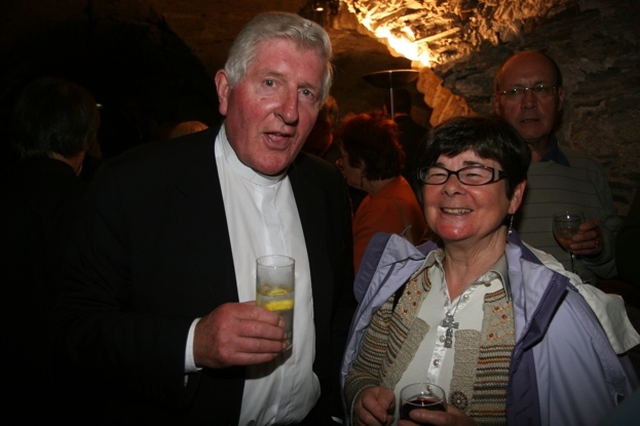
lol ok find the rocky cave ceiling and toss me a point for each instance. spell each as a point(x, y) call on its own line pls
point(439, 32)
point(418, 33)
point(429, 33)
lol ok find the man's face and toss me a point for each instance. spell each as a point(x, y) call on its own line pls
point(534, 116)
point(270, 111)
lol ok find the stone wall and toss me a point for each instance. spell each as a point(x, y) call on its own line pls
point(598, 51)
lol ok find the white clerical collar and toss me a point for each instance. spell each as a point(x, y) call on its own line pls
point(240, 168)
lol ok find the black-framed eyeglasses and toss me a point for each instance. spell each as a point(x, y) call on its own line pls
point(540, 91)
point(469, 175)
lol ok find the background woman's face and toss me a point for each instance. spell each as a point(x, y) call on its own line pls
point(353, 175)
point(458, 212)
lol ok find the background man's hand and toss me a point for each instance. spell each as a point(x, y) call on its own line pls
point(238, 334)
point(588, 242)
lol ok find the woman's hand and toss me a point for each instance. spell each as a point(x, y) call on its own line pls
point(375, 407)
point(452, 417)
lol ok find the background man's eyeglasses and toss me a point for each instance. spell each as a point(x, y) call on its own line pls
point(470, 175)
point(540, 91)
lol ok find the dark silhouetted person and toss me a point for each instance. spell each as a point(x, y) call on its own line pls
point(628, 245)
point(53, 123)
point(320, 140)
point(410, 132)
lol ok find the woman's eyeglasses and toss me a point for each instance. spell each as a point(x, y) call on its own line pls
point(470, 175)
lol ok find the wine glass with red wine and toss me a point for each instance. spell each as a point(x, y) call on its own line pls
point(421, 395)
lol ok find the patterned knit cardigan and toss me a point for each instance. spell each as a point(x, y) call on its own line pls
point(479, 383)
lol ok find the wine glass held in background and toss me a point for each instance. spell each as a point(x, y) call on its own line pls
point(421, 395)
point(565, 225)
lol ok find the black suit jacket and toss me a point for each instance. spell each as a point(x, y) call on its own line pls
point(153, 253)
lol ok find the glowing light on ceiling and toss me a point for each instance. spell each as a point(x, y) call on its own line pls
point(439, 32)
point(403, 44)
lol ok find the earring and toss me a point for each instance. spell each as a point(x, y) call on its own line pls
point(510, 230)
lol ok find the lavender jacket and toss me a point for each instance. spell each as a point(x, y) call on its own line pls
point(563, 369)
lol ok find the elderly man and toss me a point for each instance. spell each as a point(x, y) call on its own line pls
point(157, 305)
point(528, 93)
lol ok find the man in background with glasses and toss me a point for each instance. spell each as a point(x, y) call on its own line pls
point(529, 94)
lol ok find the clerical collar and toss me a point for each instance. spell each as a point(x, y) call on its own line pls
point(555, 154)
point(242, 169)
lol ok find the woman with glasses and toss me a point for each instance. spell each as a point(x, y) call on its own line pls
point(497, 324)
point(372, 160)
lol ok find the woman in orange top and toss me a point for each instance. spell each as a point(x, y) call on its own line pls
point(372, 159)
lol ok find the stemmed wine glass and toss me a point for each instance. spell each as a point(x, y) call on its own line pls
point(421, 395)
point(565, 225)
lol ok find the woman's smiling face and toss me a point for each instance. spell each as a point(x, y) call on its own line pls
point(463, 213)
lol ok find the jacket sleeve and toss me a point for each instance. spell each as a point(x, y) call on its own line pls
point(580, 378)
point(101, 330)
point(365, 371)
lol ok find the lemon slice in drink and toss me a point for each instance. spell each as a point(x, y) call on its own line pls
point(279, 305)
point(277, 292)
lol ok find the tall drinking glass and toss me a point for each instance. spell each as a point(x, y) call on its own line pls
point(275, 288)
point(565, 225)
